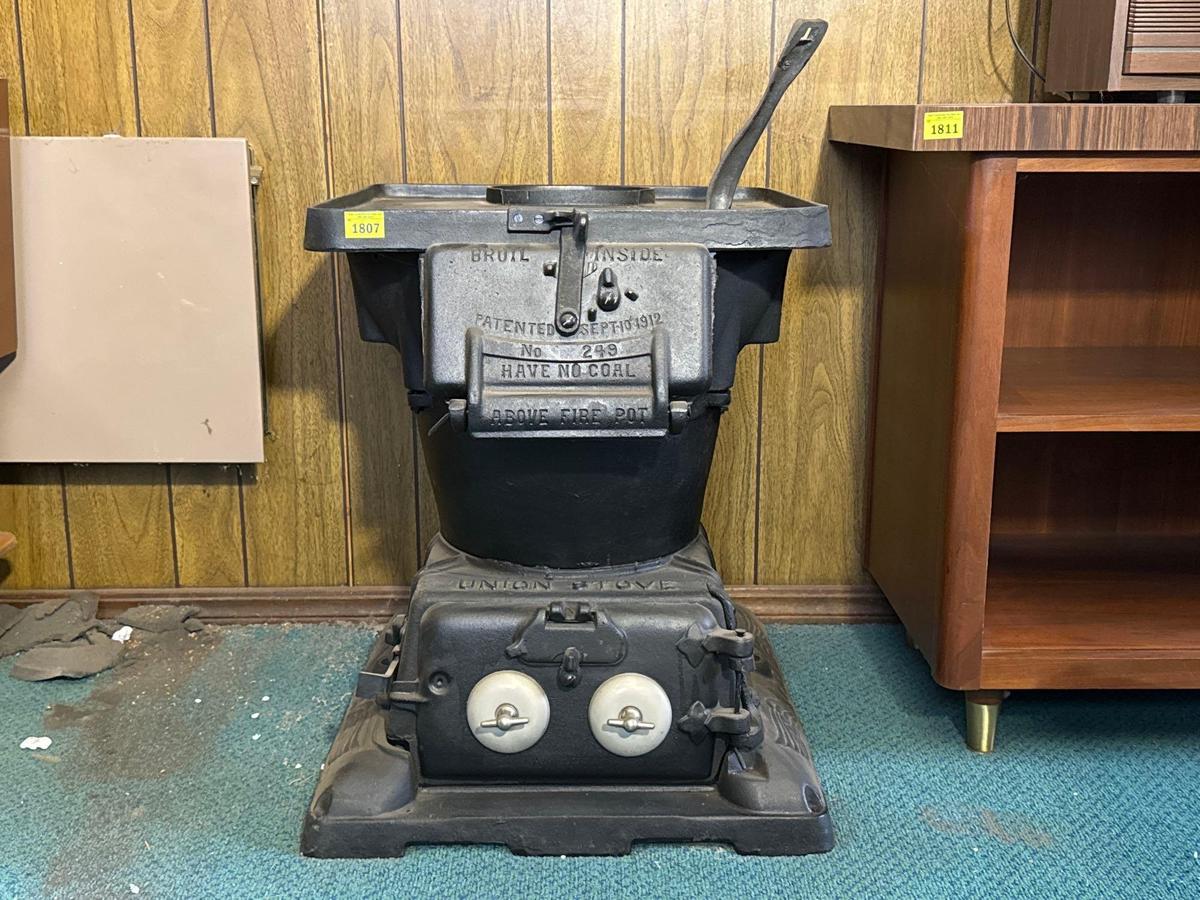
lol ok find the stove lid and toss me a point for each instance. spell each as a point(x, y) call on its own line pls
point(413, 217)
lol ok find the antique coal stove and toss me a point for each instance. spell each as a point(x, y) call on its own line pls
point(571, 675)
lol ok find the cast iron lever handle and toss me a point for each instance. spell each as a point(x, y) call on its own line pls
point(801, 44)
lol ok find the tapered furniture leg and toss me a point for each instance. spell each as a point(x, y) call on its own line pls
point(983, 709)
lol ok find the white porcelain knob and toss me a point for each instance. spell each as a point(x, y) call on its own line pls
point(508, 711)
point(630, 714)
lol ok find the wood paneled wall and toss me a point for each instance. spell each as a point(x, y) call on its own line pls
point(337, 94)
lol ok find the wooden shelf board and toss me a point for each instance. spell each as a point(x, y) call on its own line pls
point(1100, 389)
point(1092, 611)
point(1026, 127)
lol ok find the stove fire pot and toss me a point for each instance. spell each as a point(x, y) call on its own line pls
point(571, 676)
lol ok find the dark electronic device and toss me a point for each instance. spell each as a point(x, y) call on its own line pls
point(571, 675)
point(1124, 45)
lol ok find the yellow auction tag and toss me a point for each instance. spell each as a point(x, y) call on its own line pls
point(363, 225)
point(942, 126)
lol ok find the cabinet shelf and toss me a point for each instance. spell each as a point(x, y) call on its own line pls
point(1100, 389)
point(1109, 610)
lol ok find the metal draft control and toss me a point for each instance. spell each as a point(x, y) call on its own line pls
point(630, 714)
point(507, 711)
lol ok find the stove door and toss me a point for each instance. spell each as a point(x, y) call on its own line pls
point(638, 349)
point(573, 658)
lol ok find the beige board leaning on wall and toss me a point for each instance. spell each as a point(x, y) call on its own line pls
point(136, 303)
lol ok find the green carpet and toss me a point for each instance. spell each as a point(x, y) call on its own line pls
point(1089, 795)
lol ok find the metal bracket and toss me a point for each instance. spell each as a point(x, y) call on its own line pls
point(569, 635)
point(572, 250)
point(734, 647)
point(741, 727)
point(372, 684)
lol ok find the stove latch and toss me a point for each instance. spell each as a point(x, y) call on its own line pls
point(740, 727)
point(572, 252)
point(733, 647)
point(569, 635)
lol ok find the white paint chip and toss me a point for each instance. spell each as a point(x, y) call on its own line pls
point(255, 715)
point(36, 743)
point(134, 889)
point(197, 700)
point(255, 737)
point(266, 697)
point(122, 634)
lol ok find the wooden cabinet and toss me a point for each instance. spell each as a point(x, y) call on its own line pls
point(1035, 499)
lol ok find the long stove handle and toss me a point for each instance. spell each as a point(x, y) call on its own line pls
point(801, 44)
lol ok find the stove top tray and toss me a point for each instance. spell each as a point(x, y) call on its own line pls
point(417, 216)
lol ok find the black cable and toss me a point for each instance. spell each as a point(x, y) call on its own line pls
point(1012, 35)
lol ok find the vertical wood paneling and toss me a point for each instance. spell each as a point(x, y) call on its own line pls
point(79, 79)
point(10, 66)
point(120, 526)
point(475, 91)
point(475, 107)
point(336, 94)
point(78, 66)
point(969, 57)
point(694, 73)
point(31, 507)
point(586, 100)
point(207, 515)
point(815, 419)
point(31, 504)
point(174, 101)
point(172, 68)
point(267, 88)
point(363, 89)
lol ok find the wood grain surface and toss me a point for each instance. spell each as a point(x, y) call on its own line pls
point(78, 66)
point(267, 87)
point(587, 99)
point(1133, 484)
point(1082, 277)
point(172, 68)
point(1103, 611)
point(690, 84)
point(337, 94)
point(968, 53)
point(1026, 128)
point(923, 278)
point(1100, 389)
point(817, 380)
point(362, 61)
point(935, 433)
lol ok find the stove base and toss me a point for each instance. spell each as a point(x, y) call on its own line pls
point(370, 803)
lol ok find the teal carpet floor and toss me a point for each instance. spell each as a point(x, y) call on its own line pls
point(186, 775)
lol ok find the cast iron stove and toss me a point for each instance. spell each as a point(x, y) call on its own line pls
point(571, 675)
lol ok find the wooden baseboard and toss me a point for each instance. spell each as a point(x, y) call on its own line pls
point(791, 603)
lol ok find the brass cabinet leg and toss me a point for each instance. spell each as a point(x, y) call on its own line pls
point(983, 709)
